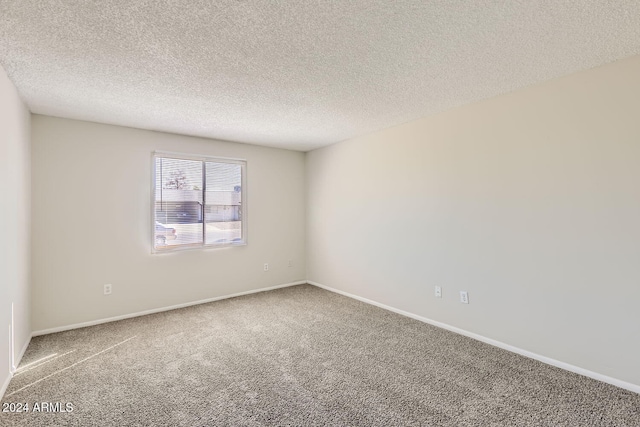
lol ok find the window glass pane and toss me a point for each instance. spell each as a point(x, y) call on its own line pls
point(223, 209)
point(178, 202)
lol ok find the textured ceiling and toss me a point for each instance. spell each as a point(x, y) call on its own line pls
point(295, 74)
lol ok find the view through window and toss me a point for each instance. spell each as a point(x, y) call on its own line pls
point(197, 202)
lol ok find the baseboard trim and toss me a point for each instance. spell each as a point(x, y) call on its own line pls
point(159, 310)
point(19, 358)
point(549, 361)
point(4, 386)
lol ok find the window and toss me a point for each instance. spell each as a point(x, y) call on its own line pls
point(197, 202)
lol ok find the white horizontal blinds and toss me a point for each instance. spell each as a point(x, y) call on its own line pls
point(223, 203)
point(178, 202)
point(198, 202)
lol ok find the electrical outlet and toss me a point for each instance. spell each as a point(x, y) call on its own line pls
point(107, 289)
point(290, 263)
point(438, 292)
point(266, 266)
point(464, 297)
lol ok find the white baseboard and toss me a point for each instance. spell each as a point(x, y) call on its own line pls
point(158, 310)
point(4, 385)
point(24, 349)
point(549, 361)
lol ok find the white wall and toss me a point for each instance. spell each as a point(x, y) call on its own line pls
point(15, 211)
point(529, 201)
point(91, 224)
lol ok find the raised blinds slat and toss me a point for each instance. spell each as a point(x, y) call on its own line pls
point(192, 194)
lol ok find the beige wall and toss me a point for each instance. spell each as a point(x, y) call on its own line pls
point(15, 199)
point(529, 201)
point(92, 221)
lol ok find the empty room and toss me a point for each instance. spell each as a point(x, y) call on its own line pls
point(320, 213)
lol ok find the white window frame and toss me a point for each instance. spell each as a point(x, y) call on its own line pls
point(203, 245)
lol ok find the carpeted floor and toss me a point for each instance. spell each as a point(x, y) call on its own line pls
point(298, 356)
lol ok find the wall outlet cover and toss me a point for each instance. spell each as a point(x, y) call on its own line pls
point(464, 297)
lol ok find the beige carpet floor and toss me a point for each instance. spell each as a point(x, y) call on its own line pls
point(299, 356)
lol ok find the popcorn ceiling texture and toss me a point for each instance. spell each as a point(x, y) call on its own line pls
point(295, 75)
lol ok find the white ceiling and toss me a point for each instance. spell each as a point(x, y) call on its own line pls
point(295, 74)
